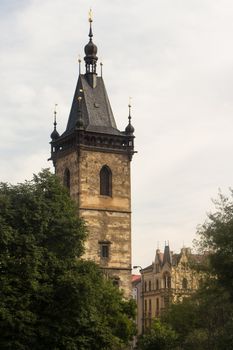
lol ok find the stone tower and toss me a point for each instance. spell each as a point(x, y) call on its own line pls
point(92, 158)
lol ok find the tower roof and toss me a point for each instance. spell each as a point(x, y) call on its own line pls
point(96, 110)
point(91, 122)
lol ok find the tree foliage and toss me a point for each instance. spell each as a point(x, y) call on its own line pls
point(201, 321)
point(49, 297)
point(216, 235)
point(159, 337)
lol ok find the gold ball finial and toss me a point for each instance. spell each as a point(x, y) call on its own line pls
point(90, 16)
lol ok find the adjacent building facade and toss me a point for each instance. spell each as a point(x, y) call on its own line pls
point(167, 280)
point(92, 158)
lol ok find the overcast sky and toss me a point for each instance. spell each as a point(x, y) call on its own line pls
point(174, 57)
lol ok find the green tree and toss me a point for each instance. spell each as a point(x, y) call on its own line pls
point(201, 320)
point(216, 237)
point(49, 297)
point(159, 337)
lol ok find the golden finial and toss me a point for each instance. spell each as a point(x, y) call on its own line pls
point(90, 16)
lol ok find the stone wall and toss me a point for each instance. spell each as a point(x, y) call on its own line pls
point(108, 218)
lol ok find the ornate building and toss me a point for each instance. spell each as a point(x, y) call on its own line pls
point(167, 280)
point(92, 158)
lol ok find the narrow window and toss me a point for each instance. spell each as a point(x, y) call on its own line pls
point(104, 249)
point(184, 283)
point(145, 286)
point(149, 286)
point(105, 181)
point(157, 307)
point(157, 284)
point(167, 280)
point(66, 180)
point(150, 307)
point(145, 306)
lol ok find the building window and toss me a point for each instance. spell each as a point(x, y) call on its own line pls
point(145, 306)
point(104, 249)
point(157, 284)
point(167, 280)
point(145, 286)
point(66, 180)
point(149, 286)
point(105, 181)
point(157, 307)
point(184, 283)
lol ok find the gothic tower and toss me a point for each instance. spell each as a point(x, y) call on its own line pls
point(92, 158)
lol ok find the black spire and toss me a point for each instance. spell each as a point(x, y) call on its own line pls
point(91, 58)
point(167, 255)
point(129, 130)
point(55, 135)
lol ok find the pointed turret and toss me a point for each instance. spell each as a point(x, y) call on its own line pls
point(129, 130)
point(91, 58)
point(55, 135)
point(167, 258)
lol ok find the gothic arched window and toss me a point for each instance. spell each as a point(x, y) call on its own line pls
point(66, 180)
point(105, 181)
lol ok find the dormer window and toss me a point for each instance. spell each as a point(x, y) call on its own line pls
point(105, 181)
